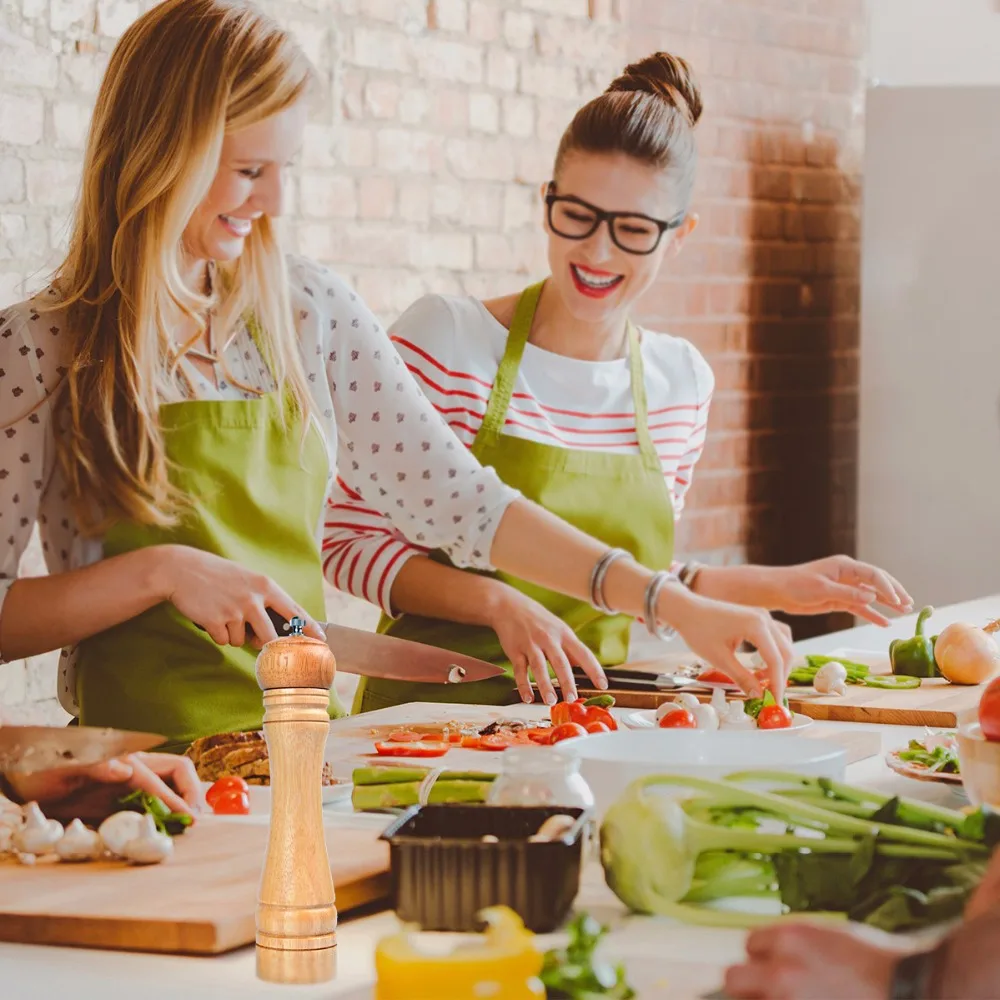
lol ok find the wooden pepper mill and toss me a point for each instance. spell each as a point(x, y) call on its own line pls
point(296, 911)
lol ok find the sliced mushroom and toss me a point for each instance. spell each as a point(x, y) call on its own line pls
point(149, 846)
point(553, 828)
point(38, 835)
point(79, 844)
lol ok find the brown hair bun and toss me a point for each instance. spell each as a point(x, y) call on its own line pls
point(666, 76)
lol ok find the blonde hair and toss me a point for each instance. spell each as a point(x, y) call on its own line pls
point(181, 77)
point(649, 113)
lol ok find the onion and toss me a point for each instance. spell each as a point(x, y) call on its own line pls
point(965, 654)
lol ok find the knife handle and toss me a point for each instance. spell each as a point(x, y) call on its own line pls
point(281, 625)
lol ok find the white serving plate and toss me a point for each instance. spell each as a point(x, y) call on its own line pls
point(611, 761)
point(645, 718)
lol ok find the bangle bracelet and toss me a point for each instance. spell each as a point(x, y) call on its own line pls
point(689, 572)
point(597, 575)
point(656, 584)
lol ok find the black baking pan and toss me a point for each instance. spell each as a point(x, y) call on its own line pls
point(443, 873)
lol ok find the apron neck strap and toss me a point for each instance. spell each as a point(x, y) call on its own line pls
point(510, 363)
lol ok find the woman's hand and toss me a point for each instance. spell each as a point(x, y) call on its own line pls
point(836, 583)
point(224, 598)
point(808, 962)
point(714, 630)
point(96, 789)
point(530, 634)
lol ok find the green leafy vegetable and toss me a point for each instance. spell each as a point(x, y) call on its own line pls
point(576, 973)
point(813, 844)
point(173, 823)
point(943, 759)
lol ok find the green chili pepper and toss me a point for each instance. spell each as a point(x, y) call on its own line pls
point(601, 700)
point(914, 657)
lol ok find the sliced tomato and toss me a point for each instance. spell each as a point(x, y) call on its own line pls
point(471, 742)
point(421, 749)
point(597, 714)
point(404, 736)
point(496, 741)
point(713, 676)
point(567, 731)
point(541, 736)
point(596, 727)
point(231, 783)
point(679, 718)
point(453, 736)
point(774, 717)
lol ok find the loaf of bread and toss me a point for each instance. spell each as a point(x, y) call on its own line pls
point(241, 755)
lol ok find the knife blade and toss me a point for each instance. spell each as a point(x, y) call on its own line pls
point(27, 749)
point(370, 654)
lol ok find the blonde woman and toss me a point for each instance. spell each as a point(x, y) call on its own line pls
point(177, 406)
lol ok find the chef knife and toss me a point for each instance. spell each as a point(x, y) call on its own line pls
point(26, 749)
point(373, 655)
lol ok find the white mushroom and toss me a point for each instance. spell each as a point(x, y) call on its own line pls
point(831, 678)
point(736, 717)
point(117, 830)
point(686, 700)
point(149, 846)
point(10, 813)
point(553, 828)
point(79, 844)
point(705, 717)
point(38, 835)
point(718, 702)
point(6, 836)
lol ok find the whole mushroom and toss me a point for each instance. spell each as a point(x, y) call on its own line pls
point(117, 830)
point(38, 835)
point(79, 844)
point(149, 846)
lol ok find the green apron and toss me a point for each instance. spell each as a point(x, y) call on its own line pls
point(622, 500)
point(256, 495)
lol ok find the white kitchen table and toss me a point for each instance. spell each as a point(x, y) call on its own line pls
point(663, 958)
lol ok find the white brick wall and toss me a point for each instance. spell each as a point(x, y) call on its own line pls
point(420, 169)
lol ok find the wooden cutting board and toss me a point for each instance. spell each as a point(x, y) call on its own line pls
point(201, 901)
point(936, 703)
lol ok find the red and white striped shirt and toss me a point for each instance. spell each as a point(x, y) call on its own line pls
point(453, 347)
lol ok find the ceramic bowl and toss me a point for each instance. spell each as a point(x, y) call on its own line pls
point(979, 764)
point(611, 761)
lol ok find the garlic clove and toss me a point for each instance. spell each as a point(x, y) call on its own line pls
point(117, 830)
point(148, 847)
point(79, 844)
point(38, 835)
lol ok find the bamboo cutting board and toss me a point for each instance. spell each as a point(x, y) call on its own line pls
point(201, 901)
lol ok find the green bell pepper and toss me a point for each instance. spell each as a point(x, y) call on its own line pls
point(915, 657)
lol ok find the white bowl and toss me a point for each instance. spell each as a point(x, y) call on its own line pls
point(611, 761)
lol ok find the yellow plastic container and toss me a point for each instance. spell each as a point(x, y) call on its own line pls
point(503, 964)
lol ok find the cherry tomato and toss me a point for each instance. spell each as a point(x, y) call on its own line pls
point(232, 802)
point(597, 727)
point(774, 717)
point(568, 711)
point(567, 731)
point(232, 783)
point(679, 718)
point(412, 749)
point(989, 710)
point(597, 714)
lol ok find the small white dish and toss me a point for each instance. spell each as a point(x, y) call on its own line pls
point(646, 719)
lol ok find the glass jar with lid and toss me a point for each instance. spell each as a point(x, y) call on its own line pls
point(535, 776)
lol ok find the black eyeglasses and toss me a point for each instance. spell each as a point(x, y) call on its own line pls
point(575, 219)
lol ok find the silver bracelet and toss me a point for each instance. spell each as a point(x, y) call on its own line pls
point(597, 575)
point(689, 572)
point(658, 582)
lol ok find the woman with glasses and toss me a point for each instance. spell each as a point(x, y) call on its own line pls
point(598, 421)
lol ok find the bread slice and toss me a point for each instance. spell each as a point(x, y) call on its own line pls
point(204, 743)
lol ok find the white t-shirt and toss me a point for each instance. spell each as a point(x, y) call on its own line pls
point(453, 346)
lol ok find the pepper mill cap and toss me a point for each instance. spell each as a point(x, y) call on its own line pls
point(295, 661)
